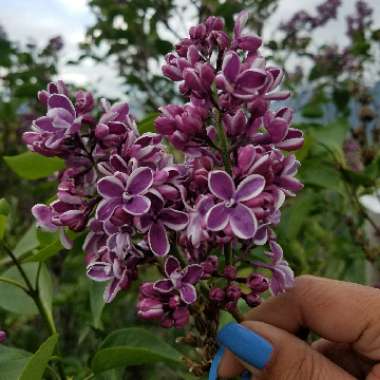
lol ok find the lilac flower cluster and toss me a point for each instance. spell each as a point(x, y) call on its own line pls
point(361, 20)
point(196, 221)
point(302, 20)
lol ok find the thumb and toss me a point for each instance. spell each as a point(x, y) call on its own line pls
point(271, 353)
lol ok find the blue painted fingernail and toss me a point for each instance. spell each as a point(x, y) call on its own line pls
point(246, 344)
point(246, 375)
point(213, 374)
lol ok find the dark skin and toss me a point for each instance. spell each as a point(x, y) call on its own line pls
point(347, 318)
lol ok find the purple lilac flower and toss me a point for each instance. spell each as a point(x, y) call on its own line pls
point(182, 280)
point(282, 274)
point(166, 307)
point(156, 223)
point(126, 192)
point(232, 211)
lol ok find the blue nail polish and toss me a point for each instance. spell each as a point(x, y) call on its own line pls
point(213, 374)
point(246, 344)
point(246, 375)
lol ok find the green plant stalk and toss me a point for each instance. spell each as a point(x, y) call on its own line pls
point(34, 293)
point(227, 164)
point(223, 141)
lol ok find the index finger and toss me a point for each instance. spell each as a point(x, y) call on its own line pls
point(337, 311)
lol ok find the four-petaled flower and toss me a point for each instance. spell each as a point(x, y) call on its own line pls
point(231, 211)
point(156, 222)
point(180, 279)
point(238, 80)
point(125, 191)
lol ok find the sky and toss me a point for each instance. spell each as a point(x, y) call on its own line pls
point(38, 20)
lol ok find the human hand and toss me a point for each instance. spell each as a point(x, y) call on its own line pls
point(346, 316)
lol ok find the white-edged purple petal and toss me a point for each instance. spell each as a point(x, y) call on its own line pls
point(240, 22)
point(43, 215)
point(290, 183)
point(221, 184)
point(277, 128)
point(163, 286)
point(173, 219)
point(250, 80)
point(192, 274)
point(61, 101)
point(250, 187)
point(111, 290)
point(188, 293)
point(137, 205)
point(158, 240)
point(140, 180)
point(100, 271)
point(171, 265)
point(261, 236)
point(110, 187)
point(106, 207)
point(231, 66)
point(243, 222)
point(217, 217)
point(66, 242)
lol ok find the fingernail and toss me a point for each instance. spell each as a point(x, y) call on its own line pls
point(246, 375)
point(246, 344)
point(213, 374)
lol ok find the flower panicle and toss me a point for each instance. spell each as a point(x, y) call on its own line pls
point(197, 220)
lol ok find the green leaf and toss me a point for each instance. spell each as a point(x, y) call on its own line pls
point(37, 364)
point(333, 134)
point(295, 215)
point(133, 346)
point(3, 226)
point(31, 165)
point(28, 242)
point(312, 111)
point(12, 362)
point(16, 300)
point(97, 302)
point(147, 124)
point(46, 252)
point(5, 208)
point(322, 174)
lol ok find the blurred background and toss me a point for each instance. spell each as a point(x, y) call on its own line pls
point(331, 53)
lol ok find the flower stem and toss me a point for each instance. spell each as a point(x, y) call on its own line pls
point(223, 141)
point(228, 253)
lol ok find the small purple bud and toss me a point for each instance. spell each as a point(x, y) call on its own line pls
point(246, 157)
point(3, 336)
point(209, 266)
point(43, 97)
point(149, 308)
point(84, 101)
point(257, 283)
point(229, 272)
point(216, 294)
point(198, 32)
point(181, 317)
point(252, 299)
point(230, 306)
point(233, 292)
